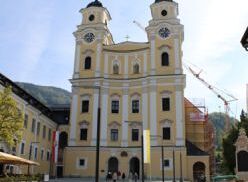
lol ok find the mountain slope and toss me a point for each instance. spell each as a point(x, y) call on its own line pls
point(218, 120)
point(46, 94)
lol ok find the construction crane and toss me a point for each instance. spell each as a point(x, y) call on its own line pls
point(139, 25)
point(216, 91)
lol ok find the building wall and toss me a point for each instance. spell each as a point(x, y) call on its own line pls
point(37, 140)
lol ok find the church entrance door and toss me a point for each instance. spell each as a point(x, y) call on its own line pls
point(134, 165)
point(113, 165)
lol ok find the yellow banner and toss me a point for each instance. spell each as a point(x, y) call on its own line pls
point(147, 146)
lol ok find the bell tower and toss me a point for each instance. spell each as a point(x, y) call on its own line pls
point(91, 34)
point(165, 30)
point(165, 35)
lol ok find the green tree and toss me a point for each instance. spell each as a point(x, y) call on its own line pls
point(229, 161)
point(11, 118)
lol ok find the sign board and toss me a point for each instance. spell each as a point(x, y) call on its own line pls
point(147, 146)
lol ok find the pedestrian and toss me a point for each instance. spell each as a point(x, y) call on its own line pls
point(119, 175)
point(108, 177)
point(130, 177)
point(114, 177)
point(123, 176)
point(135, 177)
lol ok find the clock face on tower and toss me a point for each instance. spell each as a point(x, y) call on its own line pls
point(164, 32)
point(89, 37)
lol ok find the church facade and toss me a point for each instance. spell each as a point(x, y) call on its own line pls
point(137, 86)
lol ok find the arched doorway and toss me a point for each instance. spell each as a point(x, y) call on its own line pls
point(113, 165)
point(134, 165)
point(242, 161)
point(1, 165)
point(199, 172)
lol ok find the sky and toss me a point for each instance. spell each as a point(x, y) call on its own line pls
point(37, 45)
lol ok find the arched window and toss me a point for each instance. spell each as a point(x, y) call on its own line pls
point(87, 63)
point(165, 59)
point(136, 68)
point(116, 69)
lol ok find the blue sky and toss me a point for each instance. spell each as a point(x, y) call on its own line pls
point(37, 45)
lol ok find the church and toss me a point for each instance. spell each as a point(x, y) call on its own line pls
point(137, 86)
point(120, 90)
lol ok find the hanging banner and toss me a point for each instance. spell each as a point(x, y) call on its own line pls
point(55, 146)
point(147, 146)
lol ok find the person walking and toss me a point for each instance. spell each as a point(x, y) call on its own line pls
point(135, 177)
point(123, 176)
point(115, 177)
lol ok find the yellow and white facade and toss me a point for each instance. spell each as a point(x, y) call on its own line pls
point(139, 86)
point(36, 143)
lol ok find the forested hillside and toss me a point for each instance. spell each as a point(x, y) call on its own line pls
point(46, 94)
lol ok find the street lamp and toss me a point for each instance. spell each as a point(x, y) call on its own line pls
point(142, 151)
point(30, 153)
point(98, 130)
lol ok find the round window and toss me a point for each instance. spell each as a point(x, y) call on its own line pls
point(164, 13)
point(91, 17)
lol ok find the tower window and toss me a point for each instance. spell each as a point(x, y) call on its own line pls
point(166, 133)
point(115, 106)
point(135, 106)
point(91, 17)
point(135, 134)
point(83, 134)
point(166, 104)
point(85, 106)
point(116, 69)
point(114, 134)
point(165, 59)
point(136, 69)
point(164, 13)
point(87, 63)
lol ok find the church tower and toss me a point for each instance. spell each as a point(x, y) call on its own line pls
point(165, 35)
point(91, 34)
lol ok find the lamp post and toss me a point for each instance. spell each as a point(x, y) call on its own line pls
point(98, 130)
point(244, 40)
point(142, 151)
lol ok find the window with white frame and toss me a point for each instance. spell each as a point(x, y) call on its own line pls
point(115, 106)
point(35, 153)
point(38, 129)
point(44, 132)
point(33, 125)
point(49, 134)
point(166, 162)
point(135, 135)
point(135, 106)
point(48, 155)
point(85, 103)
point(136, 69)
point(42, 154)
point(87, 63)
point(22, 151)
point(116, 67)
point(166, 133)
point(81, 163)
point(114, 135)
point(26, 120)
point(166, 101)
point(84, 130)
point(135, 103)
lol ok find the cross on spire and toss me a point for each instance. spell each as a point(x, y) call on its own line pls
point(127, 37)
